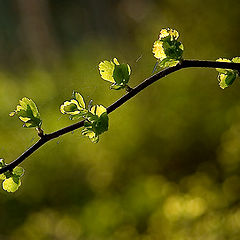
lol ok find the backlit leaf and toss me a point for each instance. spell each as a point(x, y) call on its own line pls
point(11, 184)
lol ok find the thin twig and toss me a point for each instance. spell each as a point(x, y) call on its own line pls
point(147, 82)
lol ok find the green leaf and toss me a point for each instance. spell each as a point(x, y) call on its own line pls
point(8, 174)
point(173, 49)
point(158, 50)
point(168, 63)
point(97, 123)
point(167, 34)
point(226, 77)
point(117, 74)
point(28, 113)
point(98, 110)
point(19, 171)
point(2, 176)
point(167, 48)
point(101, 124)
point(96, 118)
point(236, 60)
point(76, 107)
point(121, 74)
point(106, 69)
point(230, 78)
point(80, 99)
point(11, 184)
point(70, 107)
point(11, 179)
point(226, 80)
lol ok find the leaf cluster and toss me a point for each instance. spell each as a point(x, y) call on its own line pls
point(226, 77)
point(28, 113)
point(11, 179)
point(167, 49)
point(96, 117)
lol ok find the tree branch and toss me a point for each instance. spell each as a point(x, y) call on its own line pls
point(147, 82)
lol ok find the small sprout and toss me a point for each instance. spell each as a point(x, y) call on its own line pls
point(11, 179)
point(28, 113)
point(76, 107)
point(70, 107)
point(115, 73)
point(11, 184)
point(96, 124)
point(96, 116)
point(226, 77)
point(167, 49)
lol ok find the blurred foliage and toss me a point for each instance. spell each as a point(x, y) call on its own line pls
point(169, 166)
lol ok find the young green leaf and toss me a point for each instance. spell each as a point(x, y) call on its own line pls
point(11, 179)
point(28, 113)
point(11, 184)
point(2, 176)
point(226, 80)
point(167, 49)
point(226, 77)
point(79, 99)
point(121, 74)
point(106, 69)
point(168, 63)
point(71, 107)
point(115, 73)
point(97, 123)
point(236, 60)
point(158, 50)
point(18, 171)
point(96, 116)
point(167, 33)
point(98, 110)
point(76, 107)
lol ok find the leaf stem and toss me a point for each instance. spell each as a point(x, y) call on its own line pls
point(128, 89)
point(40, 132)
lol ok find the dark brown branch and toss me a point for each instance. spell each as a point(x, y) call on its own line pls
point(147, 82)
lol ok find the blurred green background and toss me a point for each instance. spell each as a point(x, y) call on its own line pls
point(168, 168)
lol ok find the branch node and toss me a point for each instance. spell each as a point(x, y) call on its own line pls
point(40, 132)
point(128, 89)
